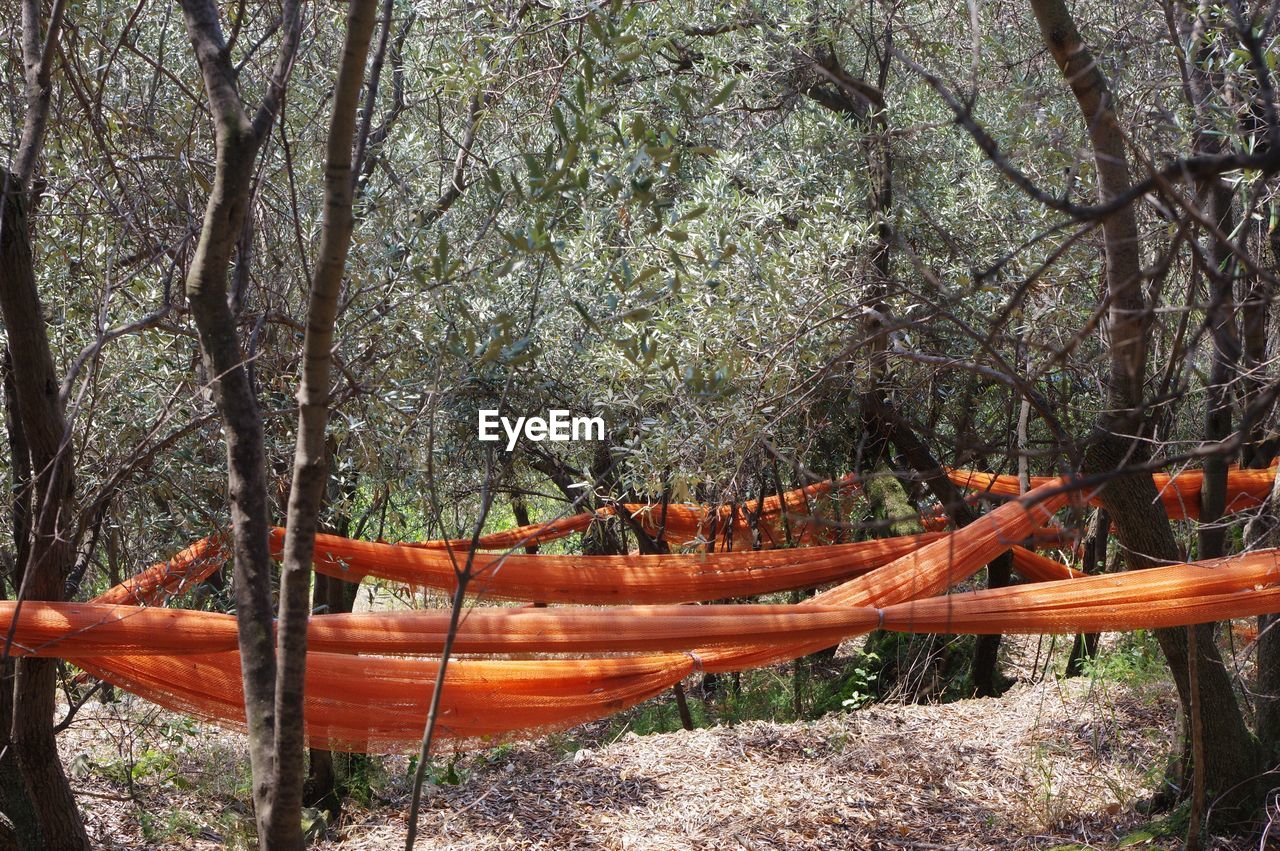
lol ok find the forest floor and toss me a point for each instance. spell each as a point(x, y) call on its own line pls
point(1052, 764)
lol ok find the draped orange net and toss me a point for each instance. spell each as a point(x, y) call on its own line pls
point(606, 580)
point(1180, 492)
point(368, 685)
point(760, 522)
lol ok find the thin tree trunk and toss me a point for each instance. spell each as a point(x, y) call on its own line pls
point(1232, 755)
point(520, 511)
point(322, 788)
point(1215, 197)
point(310, 472)
point(1195, 815)
point(47, 553)
point(246, 462)
point(14, 800)
point(604, 537)
point(1085, 646)
point(334, 596)
point(1263, 532)
point(238, 138)
point(15, 803)
point(50, 551)
point(984, 670)
point(1255, 317)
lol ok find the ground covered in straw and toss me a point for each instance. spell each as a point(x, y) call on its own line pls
point(1050, 764)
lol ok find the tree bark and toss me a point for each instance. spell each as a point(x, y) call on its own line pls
point(14, 800)
point(309, 465)
point(331, 595)
point(1141, 524)
point(238, 139)
point(984, 669)
point(1263, 532)
point(50, 552)
point(46, 549)
point(1215, 198)
point(863, 104)
point(1255, 314)
point(520, 511)
point(1085, 646)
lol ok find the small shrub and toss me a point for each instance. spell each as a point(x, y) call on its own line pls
point(1135, 659)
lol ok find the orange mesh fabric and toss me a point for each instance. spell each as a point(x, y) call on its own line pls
point(1162, 596)
point(78, 630)
point(509, 539)
point(170, 578)
point(570, 579)
point(677, 578)
point(928, 570)
point(361, 698)
point(933, 568)
point(1224, 588)
point(681, 524)
point(1037, 568)
point(379, 703)
point(1180, 493)
point(376, 702)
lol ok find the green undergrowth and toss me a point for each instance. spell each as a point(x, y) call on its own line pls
point(805, 690)
point(1159, 832)
point(889, 667)
point(1134, 659)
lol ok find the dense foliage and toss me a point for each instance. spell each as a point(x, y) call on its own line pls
point(735, 232)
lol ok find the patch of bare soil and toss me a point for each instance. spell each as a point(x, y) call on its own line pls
point(1047, 765)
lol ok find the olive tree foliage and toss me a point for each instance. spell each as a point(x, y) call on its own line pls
point(655, 212)
point(630, 209)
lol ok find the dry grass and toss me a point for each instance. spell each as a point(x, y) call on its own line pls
point(1049, 764)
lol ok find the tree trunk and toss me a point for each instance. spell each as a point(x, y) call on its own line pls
point(1215, 198)
point(15, 803)
point(984, 670)
point(1263, 532)
point(14, 800)
point(310, 472)
point(1255, 309)
point(1232, 755)
point(238, 138)
point(520, 511)
point(50, 548)
point(604, 537)
point(1085, 646)
point(1130, 499)
point(44, 512)
point(246, 458)
point(323, 788)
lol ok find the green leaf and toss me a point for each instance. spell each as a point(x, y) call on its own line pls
point(724, 93)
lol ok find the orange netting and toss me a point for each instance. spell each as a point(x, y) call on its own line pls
point(361, 697)
point(680, 524)
point(592, 580)
point(604, 580)
point(1177, 595)
point(169, 578)
point(379, 703)
point(78, 630)
point(1180, 492)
